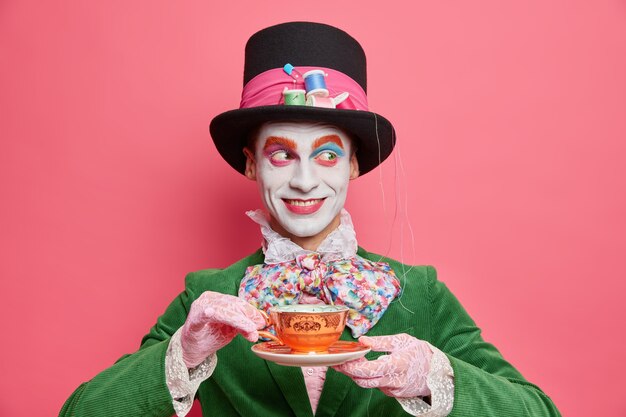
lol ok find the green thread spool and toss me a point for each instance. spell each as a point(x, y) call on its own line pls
point(294, 97)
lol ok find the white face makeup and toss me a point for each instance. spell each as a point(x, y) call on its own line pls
point(302, 170)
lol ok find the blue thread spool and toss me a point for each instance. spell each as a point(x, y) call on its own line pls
point(315, 83)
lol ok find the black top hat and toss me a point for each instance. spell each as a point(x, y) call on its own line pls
point(305, 46)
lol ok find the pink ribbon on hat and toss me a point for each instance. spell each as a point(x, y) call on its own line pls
point(266, 89)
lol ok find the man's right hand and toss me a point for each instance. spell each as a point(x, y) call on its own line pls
point(213, 321)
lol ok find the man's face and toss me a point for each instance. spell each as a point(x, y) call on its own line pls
point(302, 170)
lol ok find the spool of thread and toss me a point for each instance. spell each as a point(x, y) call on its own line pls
point(315, 83)
point(294, 97)
point(346, 104)
point(317, 101)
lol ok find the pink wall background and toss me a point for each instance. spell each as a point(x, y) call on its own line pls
point(511, 118)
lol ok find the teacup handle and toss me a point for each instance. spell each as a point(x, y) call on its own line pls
point(266, 334)
point(268, 321)
point(270, 336)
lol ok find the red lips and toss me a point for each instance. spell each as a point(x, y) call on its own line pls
point(303, 206)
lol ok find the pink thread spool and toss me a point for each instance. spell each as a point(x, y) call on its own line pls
point(327, 102)
point(316, 101)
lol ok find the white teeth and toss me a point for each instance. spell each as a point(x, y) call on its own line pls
point(303, 203)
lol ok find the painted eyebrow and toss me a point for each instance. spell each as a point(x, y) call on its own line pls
point(276, 140)
point(328, 138)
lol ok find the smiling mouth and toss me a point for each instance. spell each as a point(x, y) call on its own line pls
point(303, 206)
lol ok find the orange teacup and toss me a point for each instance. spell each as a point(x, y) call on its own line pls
point(307, 328)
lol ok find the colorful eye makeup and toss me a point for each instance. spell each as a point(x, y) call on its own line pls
point(327, 154)
point(327, 150)
point(281, 151)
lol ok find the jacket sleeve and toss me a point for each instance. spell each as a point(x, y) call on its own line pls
point(135, 385)
point(484, 383)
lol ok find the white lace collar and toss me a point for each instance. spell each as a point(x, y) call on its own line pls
point(339, 244)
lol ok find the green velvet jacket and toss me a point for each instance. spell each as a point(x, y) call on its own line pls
point(245, 385)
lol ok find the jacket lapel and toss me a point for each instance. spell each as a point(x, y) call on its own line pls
point(289, 379)
point(291, 382)
point(336, 387)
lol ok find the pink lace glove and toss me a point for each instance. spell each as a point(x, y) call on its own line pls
point(401, 374)
point(213, 321)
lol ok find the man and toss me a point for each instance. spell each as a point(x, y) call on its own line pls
point(302, 132)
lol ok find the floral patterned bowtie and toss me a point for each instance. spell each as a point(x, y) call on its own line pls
point(364, 286)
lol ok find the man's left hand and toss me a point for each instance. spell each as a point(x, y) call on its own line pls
point(401, 374)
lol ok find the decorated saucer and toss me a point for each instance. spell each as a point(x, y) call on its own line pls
point(339, 352)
